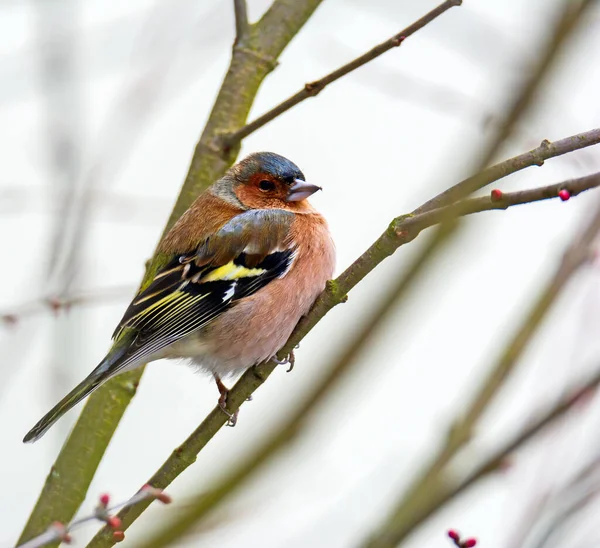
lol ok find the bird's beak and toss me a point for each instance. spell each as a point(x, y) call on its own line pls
point(300, 190)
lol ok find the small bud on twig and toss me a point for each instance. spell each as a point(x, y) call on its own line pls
point(156, 493)
point(496, 195)
point(455, 536)
point(564, 194)
point(114, 522)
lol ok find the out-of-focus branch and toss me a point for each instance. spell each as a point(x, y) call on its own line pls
point(422, 496)
point(57, 304)
point(393, 535)
point(313, 88)
point(401, 231)
point(553, 509)
point(72, 472)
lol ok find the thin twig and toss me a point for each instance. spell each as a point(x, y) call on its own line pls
point(313, 88)
point(534, 157)
point(241, 21)
point(57, 304)
point(497, 200)
point(58, 531)
point(402, 230)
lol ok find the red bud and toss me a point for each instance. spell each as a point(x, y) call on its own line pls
point(453, 534)
point(496, 195)
point(104, 499)
point(564, 195)
point(118, 536)
point(157, 493)
point(114, 522)
point(469, 543)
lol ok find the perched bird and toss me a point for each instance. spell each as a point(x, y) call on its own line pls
point(240, 267)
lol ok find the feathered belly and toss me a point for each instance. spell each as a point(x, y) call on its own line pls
point(256, 327)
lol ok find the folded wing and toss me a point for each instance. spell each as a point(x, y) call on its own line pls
point(245, 255)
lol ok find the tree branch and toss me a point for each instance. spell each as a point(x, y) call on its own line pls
point(56, 304)
point(72, 472)
point(401, 231)
point(58, 531)
point(496, 200)
point(314, 88)
point(534, 157)
point(241, 21)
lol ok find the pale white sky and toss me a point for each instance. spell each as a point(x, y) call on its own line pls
point(380, 142)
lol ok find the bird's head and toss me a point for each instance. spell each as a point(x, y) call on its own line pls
point(265, 180)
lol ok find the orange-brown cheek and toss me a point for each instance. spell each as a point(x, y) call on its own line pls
point(255, 199)
point(252, 197)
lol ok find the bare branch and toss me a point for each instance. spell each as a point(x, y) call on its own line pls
point(534, 157)
point(313, 88)
point(57, 304)
point(58, 531)
point(413, 224)
point(241, 20)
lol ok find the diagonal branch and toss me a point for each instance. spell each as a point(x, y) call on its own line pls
point(207, 502)
point(401, 231)
point(313, 88)
point(497, 200)
point(534, 157)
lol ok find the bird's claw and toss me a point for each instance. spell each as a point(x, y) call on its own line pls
point(231, 417)
point(289, 359)
point(224, 391)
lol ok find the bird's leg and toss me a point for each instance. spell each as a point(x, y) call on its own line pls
point(224, 391)
point(290, 358)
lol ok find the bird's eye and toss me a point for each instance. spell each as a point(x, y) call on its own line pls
point(266, 186)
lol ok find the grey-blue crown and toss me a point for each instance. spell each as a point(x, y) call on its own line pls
point(275, 165)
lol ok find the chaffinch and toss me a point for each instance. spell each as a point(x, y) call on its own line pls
point(239, 269)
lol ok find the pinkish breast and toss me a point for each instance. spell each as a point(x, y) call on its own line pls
point(256, 327)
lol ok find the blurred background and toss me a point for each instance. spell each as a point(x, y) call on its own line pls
point(101, 105)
